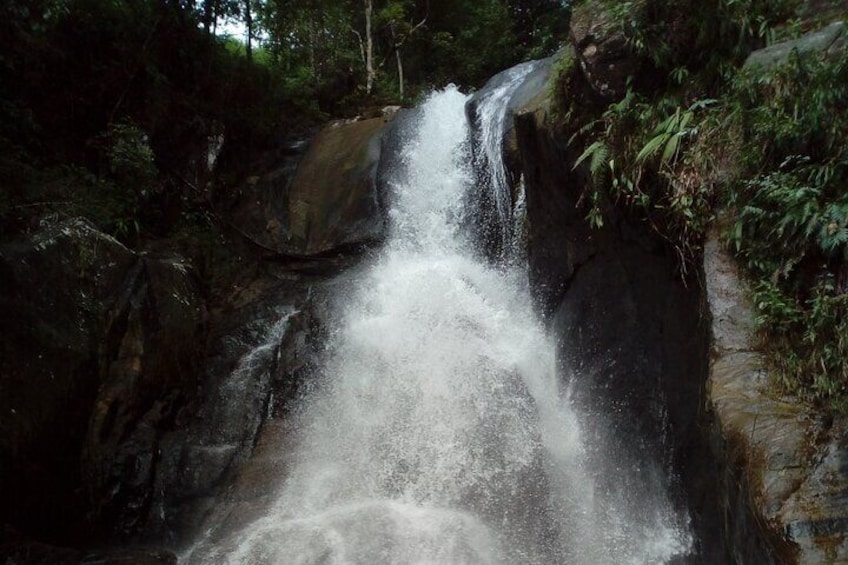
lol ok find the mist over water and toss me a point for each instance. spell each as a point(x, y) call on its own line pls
point(439, 430)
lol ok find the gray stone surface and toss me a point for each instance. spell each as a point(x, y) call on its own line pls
point(826, 41)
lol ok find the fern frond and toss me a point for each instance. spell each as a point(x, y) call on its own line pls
point(588, 152)
point(599, 161)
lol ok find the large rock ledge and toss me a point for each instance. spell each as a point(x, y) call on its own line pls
point(784, 466)
point(322, 201)
point(776, 474)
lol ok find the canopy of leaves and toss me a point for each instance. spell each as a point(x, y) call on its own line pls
point(440, 41)
point(83, 80)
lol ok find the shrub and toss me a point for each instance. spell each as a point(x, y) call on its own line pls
point(791, 228)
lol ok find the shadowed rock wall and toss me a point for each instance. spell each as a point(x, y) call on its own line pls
point(630, 330)
point(99, 353)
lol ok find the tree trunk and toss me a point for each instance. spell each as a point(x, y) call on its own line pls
point(313, 49)
point(208, 15)
point(369, 49)
point(400, 74)
point(396, 47)
point(248, 22)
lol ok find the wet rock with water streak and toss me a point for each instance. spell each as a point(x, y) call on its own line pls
point(491, 112)
point(559, 241)
point(628, 328)
point(262, 351)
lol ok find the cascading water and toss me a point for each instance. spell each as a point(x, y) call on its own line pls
point(491, 115)
point(438, 431)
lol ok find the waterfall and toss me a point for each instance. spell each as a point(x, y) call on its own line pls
point(438, 430)
point(491, 114)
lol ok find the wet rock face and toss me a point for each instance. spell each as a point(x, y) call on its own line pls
point(630, 332)
point(766, 478)
point(126, 408)
point(323, 201)
point(96, 359)
point(558, 238)
point(155, 336)
point(606, 58)
point(259, 351)
point(262, 353)
point(225, 466)
point(784, 474)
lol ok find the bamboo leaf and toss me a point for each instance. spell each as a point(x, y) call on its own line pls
point(671, 148)
point(700, 104)
point(684, 121)
point(650, 149)
point(664, 126)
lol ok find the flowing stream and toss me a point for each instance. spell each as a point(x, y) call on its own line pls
point(440, 430)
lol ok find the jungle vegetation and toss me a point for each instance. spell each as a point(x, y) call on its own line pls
point(758, 154)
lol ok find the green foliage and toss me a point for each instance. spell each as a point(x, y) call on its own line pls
point(669, 133)
point(772, 145)
point(128, 154)
point(796, 109)
point(128, 179)
point(101, 105)
point(320, 45)
point(637, 159)
point(787, 217)
point(791, 227)
point(807, 341)
point(699, 39)
point(106, 106)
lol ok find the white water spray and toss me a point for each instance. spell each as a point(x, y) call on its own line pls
point(438, 432)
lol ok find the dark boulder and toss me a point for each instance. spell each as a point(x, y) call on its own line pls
point(129, 556)
point(325, 200)
point(559, 240)
point(263, 351)
point(154, 336)
point(606, 56)
point(17, 549)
